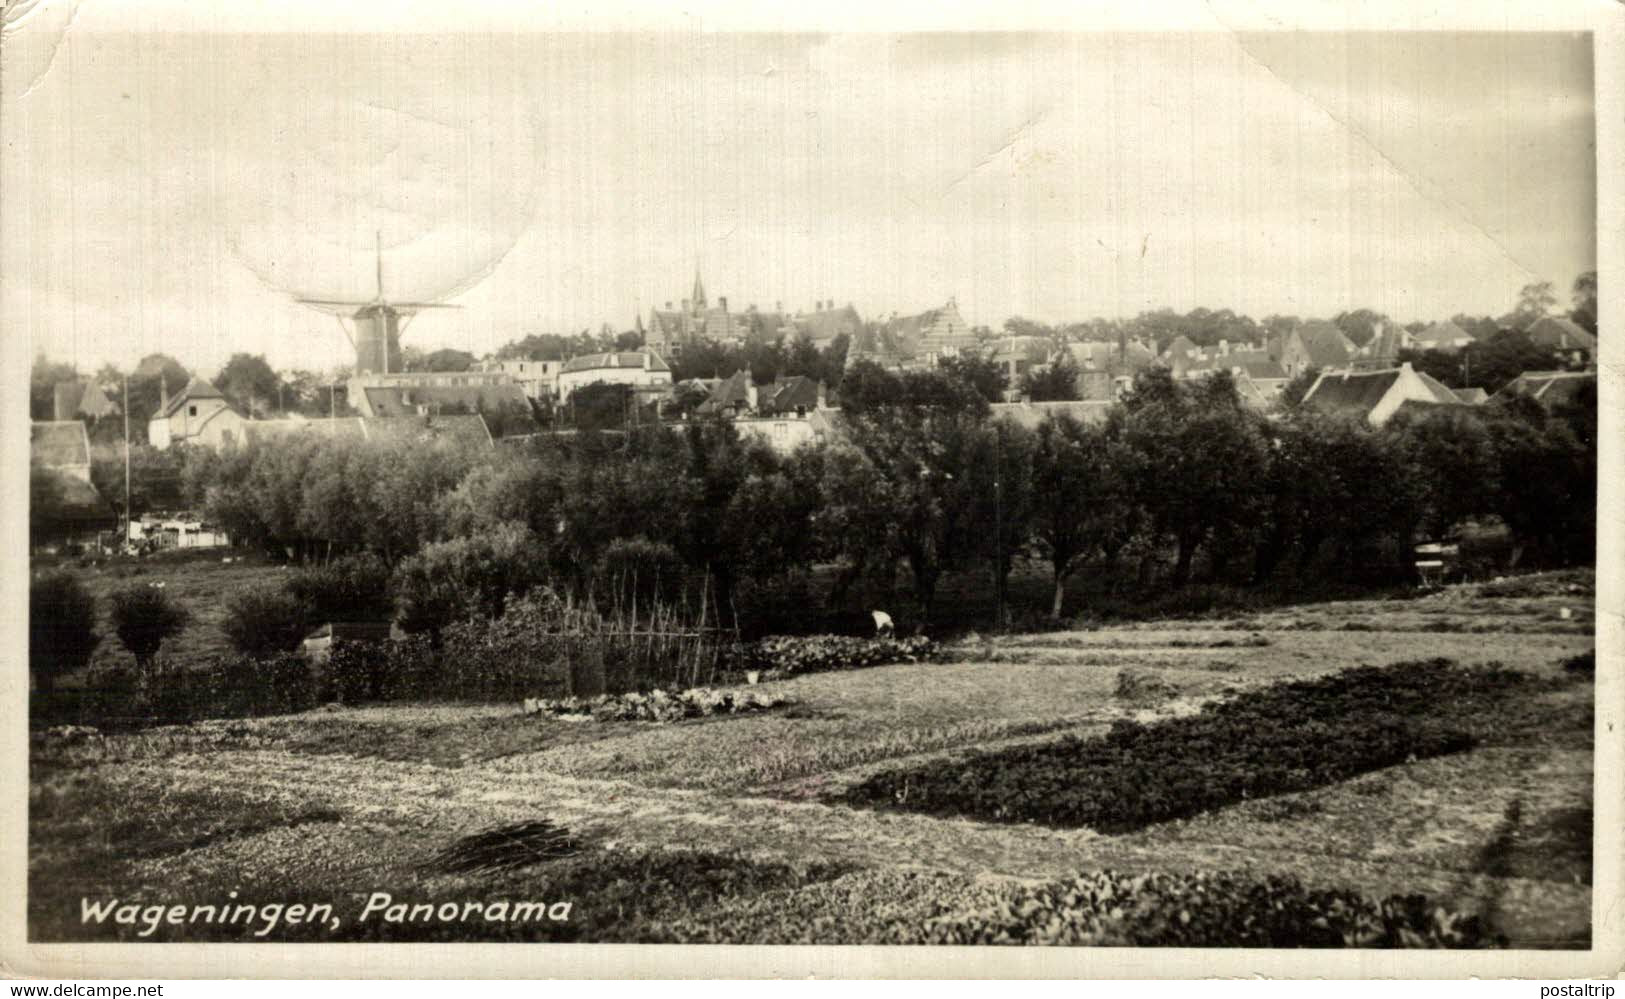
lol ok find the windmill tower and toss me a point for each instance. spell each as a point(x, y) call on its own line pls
point(377, 323)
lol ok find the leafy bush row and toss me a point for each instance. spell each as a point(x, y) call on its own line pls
point(660, 705)
point(1110, 908)
point(790, 655)
point(1288, 737)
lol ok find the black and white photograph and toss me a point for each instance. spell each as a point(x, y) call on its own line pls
point(919, 486)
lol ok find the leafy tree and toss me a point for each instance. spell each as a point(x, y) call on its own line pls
point(156, 476)
point(1448, 368)
point(42, 382)
point(1001, 478)
point(629, 340)
point(977, 371)
point(1454, 460)
point(465, 578)
point(1202, 454)
point(61, 627)
point(1359, 325)
point(912, 475)
point(804, 358)
point(1330, 478)
point(1535, 300)
point(444, 359)
point(151, 378)
point(1292, 395)
point(264, 621)
point(600, 406)
point(1055, 383)
point(349, 588)
point(1545, 484)
point(1584, 298)
point(249, 384)
point(143, 619)
point(1083, 498)
point(1503, 357)
point(638, 574)
point(1019, 326)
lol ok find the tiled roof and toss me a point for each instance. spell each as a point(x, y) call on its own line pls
point(1342, 392)
point(785, 395)
point(827, 324)
point(1549, 387)
point(1106, 355)
point(1033, 349)
point(60, 444)
point(1560, 333)
point(1441, 334)
point(387, 401)
point(469, 430)
point(264, 431)
point(619, 359)
point(733, 391)
point(1262, 368)
point(1441, 393)
point(1325, 344)
point(195, 389)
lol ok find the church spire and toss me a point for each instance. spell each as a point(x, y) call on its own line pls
point(699, 290)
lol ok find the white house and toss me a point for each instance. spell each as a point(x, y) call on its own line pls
point(198, 414)
point(641, 369)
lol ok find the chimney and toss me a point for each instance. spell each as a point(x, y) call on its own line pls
point(722, 300)
point(750, 394)
point(668, 306)
point(823, 396)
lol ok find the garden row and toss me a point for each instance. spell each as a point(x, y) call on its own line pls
point(1287, 737)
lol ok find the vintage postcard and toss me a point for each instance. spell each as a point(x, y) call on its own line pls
point(1070, 492)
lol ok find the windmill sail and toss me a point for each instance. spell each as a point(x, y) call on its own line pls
point(377, 337)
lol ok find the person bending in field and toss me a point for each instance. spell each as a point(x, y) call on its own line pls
point(883, 624)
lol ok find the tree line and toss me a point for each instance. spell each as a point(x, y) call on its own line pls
point(1179, 480)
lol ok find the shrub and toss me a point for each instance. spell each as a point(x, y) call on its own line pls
point(264, 685)
point(781, 605)
point(1289, 737)
point(466, 577)
point(638, 573)
point(789, 655)
point(61, 626)
point(1142, 687)
point(351, 588)
point(143, 617)
point(264, 621)
point(1584, 664)
point(1109, 908)
point(661, 705)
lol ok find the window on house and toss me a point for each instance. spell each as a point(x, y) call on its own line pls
point(191, 410)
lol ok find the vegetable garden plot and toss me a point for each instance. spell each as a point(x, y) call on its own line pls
point(1289, 737)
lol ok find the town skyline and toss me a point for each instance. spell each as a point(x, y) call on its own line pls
point(1058, 177)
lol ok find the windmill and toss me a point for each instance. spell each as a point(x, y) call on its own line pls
point(377, 322)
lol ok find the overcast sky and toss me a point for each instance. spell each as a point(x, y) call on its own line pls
point(179, 190)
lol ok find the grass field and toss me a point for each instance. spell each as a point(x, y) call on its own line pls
point(732, 829)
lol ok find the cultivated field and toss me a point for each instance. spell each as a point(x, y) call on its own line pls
point(745, 829)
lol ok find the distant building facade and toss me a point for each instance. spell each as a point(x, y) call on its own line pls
point(644, 370)
point(914, 342)
point(197, 414)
